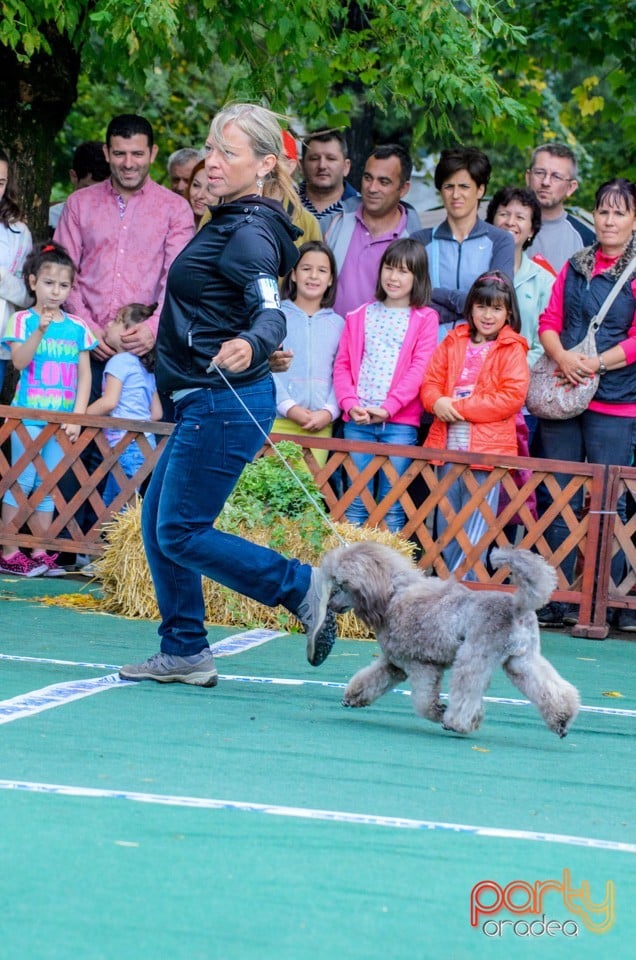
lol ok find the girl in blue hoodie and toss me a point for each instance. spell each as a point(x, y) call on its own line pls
point(305, 397)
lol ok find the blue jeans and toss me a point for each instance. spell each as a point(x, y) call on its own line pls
point(476, 525)
point(379, 486)
point(595, 438)
point(30, 480)
point(131, 460)
point(213, 440)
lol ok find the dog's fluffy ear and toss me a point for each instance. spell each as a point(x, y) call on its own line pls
point(362, 571)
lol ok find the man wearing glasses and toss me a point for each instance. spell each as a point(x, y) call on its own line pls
point(552, 177)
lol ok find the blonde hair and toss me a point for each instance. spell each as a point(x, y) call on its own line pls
point(262, 128)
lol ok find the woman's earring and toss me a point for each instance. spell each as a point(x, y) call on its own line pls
point(259, 186)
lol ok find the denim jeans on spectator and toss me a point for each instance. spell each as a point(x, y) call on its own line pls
point(131, 460)
point(30, 480)
point(214, 438)
point(91, 457)
point(596, 438)
point(394, 433)
point(476, 525)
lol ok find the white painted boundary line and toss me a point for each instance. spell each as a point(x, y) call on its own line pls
point(57, 694)
point(510, 701)
point(302, 813)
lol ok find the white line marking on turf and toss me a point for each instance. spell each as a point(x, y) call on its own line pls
point(282, 681)
point(55, 695)
point(56, 692)
point(239, 642)
point(334, 816)
point(228, 647)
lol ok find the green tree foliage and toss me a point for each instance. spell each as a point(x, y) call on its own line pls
point(322, 59)
point(577, 75)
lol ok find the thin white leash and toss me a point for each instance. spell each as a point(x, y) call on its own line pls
point(326, 519)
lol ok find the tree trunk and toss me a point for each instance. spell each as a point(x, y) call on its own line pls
point(360, 140)
point(35, 99)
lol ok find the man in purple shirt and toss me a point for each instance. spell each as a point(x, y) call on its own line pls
point(361, 233)
point(123, 234)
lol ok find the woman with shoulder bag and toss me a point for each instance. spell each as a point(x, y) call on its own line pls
point(602, 433)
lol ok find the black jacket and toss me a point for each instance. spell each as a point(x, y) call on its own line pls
point(224, 285)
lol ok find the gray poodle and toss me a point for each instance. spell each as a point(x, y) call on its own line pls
point(425, 626)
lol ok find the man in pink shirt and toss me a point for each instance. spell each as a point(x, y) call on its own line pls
point(123, 234)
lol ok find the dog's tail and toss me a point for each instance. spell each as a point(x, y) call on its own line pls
point(535, 578)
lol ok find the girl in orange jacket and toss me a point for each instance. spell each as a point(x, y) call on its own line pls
point(475, 385)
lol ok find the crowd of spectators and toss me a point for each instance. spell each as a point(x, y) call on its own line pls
point(390, 325)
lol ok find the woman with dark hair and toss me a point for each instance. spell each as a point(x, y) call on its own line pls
point(604, 432)
point(463, 246)
point(15, 245)
point(220, 322)
point(517, 210)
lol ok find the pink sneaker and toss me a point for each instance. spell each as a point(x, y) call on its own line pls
point(22, 566)
point(48, 560)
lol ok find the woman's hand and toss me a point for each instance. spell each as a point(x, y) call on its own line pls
point(444, 410)
point(574, 368)
point(235, 356)
point(280, 360)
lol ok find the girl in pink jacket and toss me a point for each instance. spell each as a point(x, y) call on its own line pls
point(383, 354)
point(475, 385)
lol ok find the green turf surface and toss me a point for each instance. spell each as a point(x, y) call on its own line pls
point(106, 876)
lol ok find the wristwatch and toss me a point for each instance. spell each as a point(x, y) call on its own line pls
point(602, 369)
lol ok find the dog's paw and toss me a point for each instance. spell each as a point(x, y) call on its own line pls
point(353, 701)
point(462, 726)
point(456, 729)
point(561, 725)
point(433, 712)
point(437, 712)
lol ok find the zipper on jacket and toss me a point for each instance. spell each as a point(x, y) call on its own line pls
point(189, 342)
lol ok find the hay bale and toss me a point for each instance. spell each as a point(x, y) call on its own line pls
point(128, 588)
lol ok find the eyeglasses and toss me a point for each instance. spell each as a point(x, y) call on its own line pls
point(541, 174)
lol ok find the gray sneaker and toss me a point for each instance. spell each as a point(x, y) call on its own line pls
point(198, 669)
point(317, 619)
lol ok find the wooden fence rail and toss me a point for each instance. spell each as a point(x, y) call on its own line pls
point(596, 533)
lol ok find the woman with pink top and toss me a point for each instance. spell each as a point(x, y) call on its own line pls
point(604, 432)
point(381, 361)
